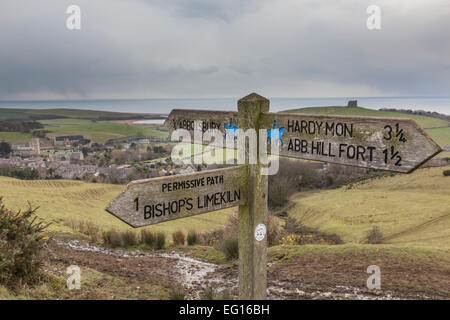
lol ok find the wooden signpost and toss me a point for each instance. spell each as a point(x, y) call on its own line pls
point(379, 143)
point(150, 201)
point(370, 142)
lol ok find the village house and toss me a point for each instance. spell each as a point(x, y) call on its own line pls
point(119, 173)
point(67, 141)
point(74, 157)
point(26, 150)
point(72, 171)
point(144, 141)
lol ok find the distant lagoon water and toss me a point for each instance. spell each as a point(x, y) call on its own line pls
point(150, 121)
point(164, 106)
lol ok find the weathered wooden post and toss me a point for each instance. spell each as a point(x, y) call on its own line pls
point(253, 215)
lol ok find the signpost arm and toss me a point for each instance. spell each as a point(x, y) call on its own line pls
point(252, 253)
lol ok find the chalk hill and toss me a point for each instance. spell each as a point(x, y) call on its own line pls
point(64, 201)
point(424, 121)
point(409, 209)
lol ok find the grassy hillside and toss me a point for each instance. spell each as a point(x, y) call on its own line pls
point(14, 113)
point(409, 209)
point(64, 201)
point(15, 137)
point(424, 122)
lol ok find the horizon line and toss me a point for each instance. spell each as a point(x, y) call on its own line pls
point(220, 98)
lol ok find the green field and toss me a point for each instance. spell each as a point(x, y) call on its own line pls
point(440, 135)
point(64, 201)
point(15, 137)
point(409, 209)
point(97, 131)
point(84, 122)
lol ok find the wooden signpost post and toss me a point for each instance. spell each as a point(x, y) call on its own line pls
point(379, 143)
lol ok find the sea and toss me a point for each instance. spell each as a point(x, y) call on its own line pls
point(164, 106)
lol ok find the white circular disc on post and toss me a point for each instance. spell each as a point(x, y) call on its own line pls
point(260, 232)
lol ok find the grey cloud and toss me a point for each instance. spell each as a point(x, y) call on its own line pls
point(226, 10)
point(156, 48)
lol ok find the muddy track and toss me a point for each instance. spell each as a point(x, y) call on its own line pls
point(170, 270)
point(292, 280)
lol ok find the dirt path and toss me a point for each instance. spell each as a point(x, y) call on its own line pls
point(171, 270)
point(303, 278)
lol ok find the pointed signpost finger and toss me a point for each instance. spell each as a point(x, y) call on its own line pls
point(379, 143)
point(184, 119)
point(150, 201)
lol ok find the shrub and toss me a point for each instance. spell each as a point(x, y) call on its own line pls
point(230, 247)
point(337, 175)
point(192, 238)
point(296, 227)
point(19, 173)
point(283, 183)
point(231, 230)
point(178, 238)
point(289, 240)
point(160, 240)
point(21, 238)
point(5, 148)
point(374, 236)
point(232, 226)
point(112, 238)
point(148, 238)
point(446, 173)
point(273, 230)
point(332, 238)
point(297, 233)
point(211, 238)
point(92, 231)
point(129, 238)
point(85, 227)
point(292, 175)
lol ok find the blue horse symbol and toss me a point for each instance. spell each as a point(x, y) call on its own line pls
point(230, 130)
point(275, 132)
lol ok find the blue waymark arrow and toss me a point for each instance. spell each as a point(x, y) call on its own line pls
point(276, 132)
point(230, 130)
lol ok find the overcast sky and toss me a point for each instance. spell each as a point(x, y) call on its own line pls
point(226, 48)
